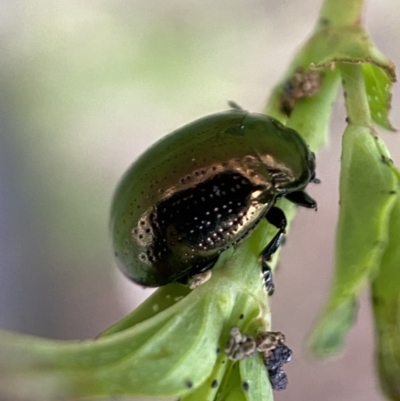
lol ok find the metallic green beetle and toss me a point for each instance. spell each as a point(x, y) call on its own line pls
point(201, 190)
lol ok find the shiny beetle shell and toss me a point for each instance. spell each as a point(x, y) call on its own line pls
point(202, 189)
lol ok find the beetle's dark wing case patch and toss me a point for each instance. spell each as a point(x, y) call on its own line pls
point(195, 224)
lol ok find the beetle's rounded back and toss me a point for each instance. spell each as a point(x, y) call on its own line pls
point(252, 145)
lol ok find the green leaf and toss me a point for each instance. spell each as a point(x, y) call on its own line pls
point(254, 373)
point(315, 130)
point(161, 299)
point(378, 85)
point(211, 387)
point(175, 352)
point(126, 363)
point(344, 44)
point(367, 185)
point(386, 307)
point(231, 387)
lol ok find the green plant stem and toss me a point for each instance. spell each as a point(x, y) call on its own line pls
point(335, 13)
point(341, 13)
point(357, 107)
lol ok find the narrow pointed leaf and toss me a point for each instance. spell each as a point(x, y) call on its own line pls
point(378, 85)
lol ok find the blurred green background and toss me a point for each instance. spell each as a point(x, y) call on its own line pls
point(85, 87)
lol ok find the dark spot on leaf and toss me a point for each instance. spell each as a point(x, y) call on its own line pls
point(392, 192)
point(214, 383)
point(189, 384)
point(245, 386)
point(241, 316)
point(218, 350)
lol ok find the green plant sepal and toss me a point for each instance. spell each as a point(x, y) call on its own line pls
point(367, 186)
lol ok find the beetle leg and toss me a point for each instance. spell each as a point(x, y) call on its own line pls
point(301, 198)
point(276, 217)
point(267, 278)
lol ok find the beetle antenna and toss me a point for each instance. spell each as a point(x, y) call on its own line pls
point(234, 105)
